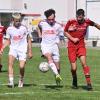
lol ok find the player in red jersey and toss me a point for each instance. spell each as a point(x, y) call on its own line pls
point(75, 30)
point(2, 31)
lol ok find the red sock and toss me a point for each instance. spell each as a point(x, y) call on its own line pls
point(87, 74)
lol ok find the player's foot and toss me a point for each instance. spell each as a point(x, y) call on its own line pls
point(0, 68)
point(89, 87)
point(20, 84)
point(11, 84)
point(74, 84)
point(58, 79)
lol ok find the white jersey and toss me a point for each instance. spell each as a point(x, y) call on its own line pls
point(50, 34)
point(18, 37)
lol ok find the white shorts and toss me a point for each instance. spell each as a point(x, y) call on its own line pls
point(54, 50)
point(20, 55)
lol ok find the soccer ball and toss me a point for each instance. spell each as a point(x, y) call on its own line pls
point(43, 67)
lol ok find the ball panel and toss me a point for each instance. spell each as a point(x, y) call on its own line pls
point(43, 67)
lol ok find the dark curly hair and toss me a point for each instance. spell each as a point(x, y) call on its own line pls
point(49, 12)
point(80, 12)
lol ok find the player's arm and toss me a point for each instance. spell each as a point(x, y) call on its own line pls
point(39, 30)
point(6, 43)
point(92, 23)
point(66, 32)
point(97, 26)
point(29, 47)
point(75, 40)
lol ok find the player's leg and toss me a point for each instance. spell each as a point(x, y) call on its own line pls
point(22, 61)
point(86, 70)
point(74, 74)
point(57, 63)
point(10, 71)
point(56, 60)
point(47, 52)
point(72, 58)
point(0, 63)
point(51, 63)
point(22, 70)
point(56, 57)
point(53, 67)
point(0, 59)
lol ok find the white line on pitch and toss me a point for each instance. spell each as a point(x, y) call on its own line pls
point(52, 84)
point(30, 93)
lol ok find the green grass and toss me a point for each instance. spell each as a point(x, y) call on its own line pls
point(41, 86)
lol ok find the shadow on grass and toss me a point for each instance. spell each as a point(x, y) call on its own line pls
point(54, 87)
point(82, 87)
point(26, 85)
point(3, 71)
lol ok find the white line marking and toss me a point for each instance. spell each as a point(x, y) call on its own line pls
point(30, 93)
point(52, 84)
point(52, 92)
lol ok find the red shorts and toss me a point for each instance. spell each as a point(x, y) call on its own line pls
point(73, 53)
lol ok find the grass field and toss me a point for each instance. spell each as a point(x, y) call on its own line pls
point(41, 86)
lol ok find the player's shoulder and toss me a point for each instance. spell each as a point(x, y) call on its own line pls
point(58, 23)
point(43, 21)
point(2, 27)
point(72, 20)
point(23, 26)
point(10, 27)
point(87, 20)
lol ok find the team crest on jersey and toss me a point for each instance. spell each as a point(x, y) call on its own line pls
point(72, 27)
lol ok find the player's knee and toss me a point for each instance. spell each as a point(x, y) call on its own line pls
point(56, 59)
point(83, 65)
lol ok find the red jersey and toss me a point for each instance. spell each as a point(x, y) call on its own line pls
point(2, 30)
point(77, 30)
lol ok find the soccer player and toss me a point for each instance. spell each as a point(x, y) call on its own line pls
point(2, 32)
point(49, 31)
point(75, 30)
point(19, 40)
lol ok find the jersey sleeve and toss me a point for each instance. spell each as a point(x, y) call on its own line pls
point(91, 23)
point(67, 26)
point(60, 31)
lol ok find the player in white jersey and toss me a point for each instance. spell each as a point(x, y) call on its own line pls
point(49, 30)
point(19, 40)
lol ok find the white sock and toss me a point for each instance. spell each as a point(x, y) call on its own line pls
point(11, 79)
point(53, 68)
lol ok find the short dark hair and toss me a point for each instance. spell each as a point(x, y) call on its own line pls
point(49, 12)
point(80, 12)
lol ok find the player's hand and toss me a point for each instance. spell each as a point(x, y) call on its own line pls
point(75, 40)
point(1, 51)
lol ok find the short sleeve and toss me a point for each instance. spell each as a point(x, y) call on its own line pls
point(61, 31)
point(91, 23)
point(67, 26)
